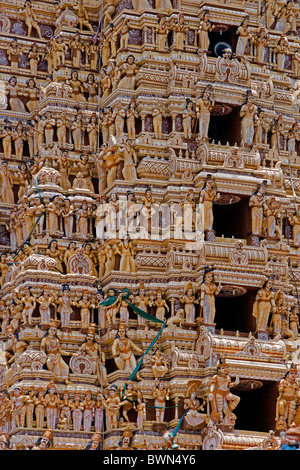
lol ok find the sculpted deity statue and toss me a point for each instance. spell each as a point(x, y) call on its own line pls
point(282, 49)
point(204, 106)
point(159, 365)
point(14, 347)
point(161, 394)
point(273, 218)
point(6, 136)
point(112, 405)
point(78, 129)
point(82, 14)
point(54, 212)
point(157, 116)
point(33, 93)
point(277, 318)
point(288, 398)
point(30, 18)
point(294, 221)
point(59, 51)
point(162, 31)
point(222, 400)
point(14, 52)
point(243, 37)
point(122, 350)
point(131, 116)
point(7, 182)
point(76, 85)
point(13, 90)
point(207, 197)
point(54, 252)
point(76, 48)
point(193, 419)
point(180, 28)
point(257, 203)
point(128, 71)
point(92, 349)
point(92, 131)
point(261, 41)
point(208, 291)
point(188, 119)
point(50, 345)
point(189, 300)
point(63, 165)
point(45, 300)
point(45, 442)
point(28, 301)
point(85, 305)
point(160, 304)
point(247, 113)
point(205, 27)
point(263, 305)
point(64, 306)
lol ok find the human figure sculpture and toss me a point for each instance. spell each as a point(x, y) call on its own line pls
point(122, 350)
point(193, 419)
point(288, 398)
point(161, 394)
point(180, 29)
point(128, 71)
point(257, 203)
point(243, 37)
point(222, 400)
point(208, 291)
point(30, 19)
point(205, 27)
point(13, 90)
point(85, 305)
point(13, 54)
point(160, 305)
point(162, 31)
point(45, 300)
point(263, 305)
point(189, 301)
point(83, 18)
point(203, 108)
point(50, 345)
point(188, 119)
point(248, 112)
point(208, 196)
point(294, 221)
point(112, 405)
point(59, 51)
point(51, 403)
point(6, 179)
point(45, 442)
point(64, 306)
point(273, 218)
point(28, 301)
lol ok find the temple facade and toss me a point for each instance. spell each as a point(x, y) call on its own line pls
point(149, 224)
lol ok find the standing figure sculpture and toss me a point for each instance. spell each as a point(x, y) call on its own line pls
point(258, 205)
point(288, 399)
point(264, 304)
point(247, 113)
point(208, 291)
point(204, 106)
point(222, 400)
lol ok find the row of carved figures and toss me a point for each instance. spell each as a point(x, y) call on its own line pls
point(57, 410)
point(271, 310)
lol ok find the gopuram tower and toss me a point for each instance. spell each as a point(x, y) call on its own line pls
point(149, 224)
